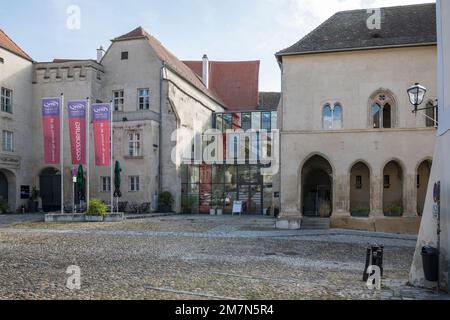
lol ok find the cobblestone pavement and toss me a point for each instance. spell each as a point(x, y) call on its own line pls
point(197, 257)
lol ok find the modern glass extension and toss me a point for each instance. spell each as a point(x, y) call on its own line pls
point(206, 187)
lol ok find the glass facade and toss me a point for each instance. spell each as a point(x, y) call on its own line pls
point(205, 187)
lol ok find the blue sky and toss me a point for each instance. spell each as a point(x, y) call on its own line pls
point(224, 29)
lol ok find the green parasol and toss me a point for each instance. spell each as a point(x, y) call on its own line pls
point(117, 180)
point(81, 182)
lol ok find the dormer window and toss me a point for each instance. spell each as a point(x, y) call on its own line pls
point(124, 55)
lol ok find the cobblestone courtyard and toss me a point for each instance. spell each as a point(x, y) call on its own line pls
point(196, 257)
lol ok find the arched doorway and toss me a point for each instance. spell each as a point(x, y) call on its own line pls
point(317, 187)
point(4, 187)
point(423, 177)
point(393, 189)
point(50, 189)
point(8, 188)
point(360, 190)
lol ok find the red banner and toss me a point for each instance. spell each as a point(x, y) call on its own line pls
point(101, 118)
point(51, 108)
point(77, 129)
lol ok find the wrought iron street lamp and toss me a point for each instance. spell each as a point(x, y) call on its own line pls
point(416, 96)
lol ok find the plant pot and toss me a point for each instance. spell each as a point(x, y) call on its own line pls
point(165, 209)
point(32, 206)
point(219, 212)
point(88, 218)
point(212, 212)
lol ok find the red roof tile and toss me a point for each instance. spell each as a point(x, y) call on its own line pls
point(236, 82)
point(8, 44)
point(171, 61)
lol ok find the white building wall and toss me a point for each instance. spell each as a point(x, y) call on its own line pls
point(440, 172)
point(16, 75)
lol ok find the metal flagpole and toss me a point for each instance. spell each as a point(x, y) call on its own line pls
point(61, 161)
point(88, 155)
point(73, 190)
point(111, 154)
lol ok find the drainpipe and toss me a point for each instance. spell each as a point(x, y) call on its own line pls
point(161, 80)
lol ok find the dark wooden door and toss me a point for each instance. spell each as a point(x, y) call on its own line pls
point(3, 187)
point(50, 188)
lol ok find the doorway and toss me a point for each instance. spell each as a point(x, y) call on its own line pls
point(50, 189)
point(317, 188)
point(3, 187)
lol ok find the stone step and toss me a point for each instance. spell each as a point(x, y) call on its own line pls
point(316, 223)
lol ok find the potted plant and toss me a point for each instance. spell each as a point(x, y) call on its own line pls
point(361, 212)
point(187, 203)
point(324, 209)
point(216, 206)
point(96, 211)
point(33, 204)
point(4, 207)
point(395, 211)
point(165, 202)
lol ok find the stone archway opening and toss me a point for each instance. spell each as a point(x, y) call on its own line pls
point(8, 188)
point(317, 188)
point(360, 190)
point(423, 177)
point(393, 190)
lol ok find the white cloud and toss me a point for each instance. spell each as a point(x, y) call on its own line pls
point(296, 18)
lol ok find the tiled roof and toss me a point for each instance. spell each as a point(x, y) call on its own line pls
point(171, 61)
point(8, 44)
point(400, 26)
point(235, 82)
point(269, 101)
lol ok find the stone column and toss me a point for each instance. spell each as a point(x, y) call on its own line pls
point(410, 196)
point(341, 196)
point(376, 197)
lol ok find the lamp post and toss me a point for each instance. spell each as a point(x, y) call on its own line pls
point(416, 96)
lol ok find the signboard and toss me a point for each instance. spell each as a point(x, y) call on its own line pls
point(25, 192)
point(52, 129)
point(237, 207)
point(101, 116)
point(436, 199)
point(77, 129)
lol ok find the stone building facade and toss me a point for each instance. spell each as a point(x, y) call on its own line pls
point(16, 149)
point(153, 94)
point(350, 147)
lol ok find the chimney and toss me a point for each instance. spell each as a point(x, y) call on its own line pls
point(205, 75)
point(100, 52)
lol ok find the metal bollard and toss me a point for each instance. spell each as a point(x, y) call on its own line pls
point(374, 257)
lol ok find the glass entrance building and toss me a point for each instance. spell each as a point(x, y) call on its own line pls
point(205, 187)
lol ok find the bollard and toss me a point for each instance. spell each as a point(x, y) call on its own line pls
point(374, 257)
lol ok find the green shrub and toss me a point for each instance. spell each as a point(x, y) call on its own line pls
point(4, 207)
point(396, 210)
point(97, 208)
point(364, 211)
point(187, 202)
point(166, 199)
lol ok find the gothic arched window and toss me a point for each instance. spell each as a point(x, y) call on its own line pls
point(382, 111)
point(332, 117)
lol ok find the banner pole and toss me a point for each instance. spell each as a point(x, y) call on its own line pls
point(88, 150)
point(111, 153)
point(61, 161)
point(73, 191)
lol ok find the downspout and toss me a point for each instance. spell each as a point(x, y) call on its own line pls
point(161, 80)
